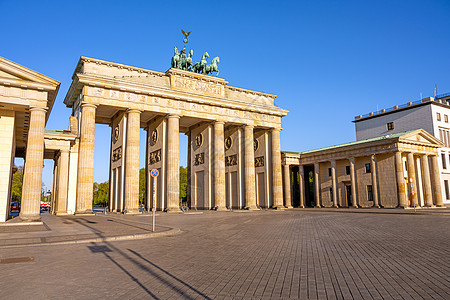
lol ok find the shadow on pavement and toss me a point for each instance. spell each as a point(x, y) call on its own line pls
point(106, 249)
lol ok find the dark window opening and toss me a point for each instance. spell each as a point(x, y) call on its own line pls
point(390, 126)
point(368, 170)
point(347, 170)
point(329, 171)
point(369, 193)
point(447, 194)
point(444, 163)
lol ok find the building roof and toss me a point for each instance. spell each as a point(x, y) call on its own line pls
point(384, 137)
point(440, 100)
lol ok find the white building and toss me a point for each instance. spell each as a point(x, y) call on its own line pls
point(430, 114)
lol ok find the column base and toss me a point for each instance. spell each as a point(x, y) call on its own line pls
point(220, 208)
point(131, 212)
point(173, 210)
point(376, 206)
point(252, 208)
point(335, 206)
point(317, 206)
point(278, 208)
point(61, 213)
point(84, 213)
point(30, 218)
point(301, 206)
point(289, 206)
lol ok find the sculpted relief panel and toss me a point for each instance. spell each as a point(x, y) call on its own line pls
point(202, 87)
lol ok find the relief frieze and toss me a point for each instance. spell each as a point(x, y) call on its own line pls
point(154, 157)
point(231, 160)
point(117, 154)
point(199, 159)
point(197, 85)
point(259, 161)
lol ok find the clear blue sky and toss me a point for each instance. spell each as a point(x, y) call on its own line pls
point(327, 61)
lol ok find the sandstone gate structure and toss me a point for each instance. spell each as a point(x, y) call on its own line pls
point(234, 158)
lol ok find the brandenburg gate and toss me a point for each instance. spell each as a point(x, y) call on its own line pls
point(234, 158)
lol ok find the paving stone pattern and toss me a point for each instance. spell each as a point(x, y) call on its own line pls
point(247, 255)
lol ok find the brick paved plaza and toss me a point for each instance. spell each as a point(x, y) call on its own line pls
point(295, 254)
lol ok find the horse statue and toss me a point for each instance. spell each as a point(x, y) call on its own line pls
point(213, 66)
point(200, 67)
point(176, 58)
point(186, 62)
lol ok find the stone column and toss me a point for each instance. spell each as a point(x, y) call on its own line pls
point(189, 168)
point(132, 162)
point(301, 185)
point(277, 179)
point(412, 174)
point(353, 182)
point(173, 163)
point(317, 184)
point(436, 177)
point(34, 161)
point(63, 182)
point(333, 183)
point(85, 176)
point(373, 168)
point(250, 186)
point(400, 180)
point(427, 191)
point(287, 186)
point(219, 166)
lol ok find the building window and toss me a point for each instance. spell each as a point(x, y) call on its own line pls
point(445, 118)
point(368, 168)
point(390, 126)
point(369, 193)
point(438, 115)
point(447, 193)
point(444, 162)
point(347, 170)
point(331, 195)
point(329, 171)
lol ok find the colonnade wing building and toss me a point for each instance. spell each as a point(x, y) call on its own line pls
point(396, 170)
point(431, 114)
point(234, 158)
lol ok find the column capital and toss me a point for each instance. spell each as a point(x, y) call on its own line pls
point(249, 126)
point(173, 116)
point(41, 109)
point(64, 150)
point(275, 129)
point(132, 110)
point(85, 104)
point(219, 122)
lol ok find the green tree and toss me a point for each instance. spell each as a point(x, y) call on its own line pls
point(183, 184)
point(17, 181)
point(141, 185)
point(101, 193)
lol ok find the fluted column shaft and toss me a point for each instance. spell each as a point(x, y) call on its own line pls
point(373, 167)
point(333, 183)
point(277, 179)
point(173, 163)
point(400, 180)
point(34, 161)
point(412, 174)
point(85, 176)
point(428, 192)
point(219, 166)
point(250, 186)
point(132, 161)
point(353, 182)
point(287, 186)
point(63, 182)
point(317, 184)
point(436, 175)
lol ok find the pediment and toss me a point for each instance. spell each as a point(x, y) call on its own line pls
point(12, 72)
point(422, 137)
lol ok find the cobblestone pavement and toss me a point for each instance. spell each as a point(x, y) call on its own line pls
point(293, 254)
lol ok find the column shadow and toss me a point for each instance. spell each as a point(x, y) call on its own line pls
point(95, 248)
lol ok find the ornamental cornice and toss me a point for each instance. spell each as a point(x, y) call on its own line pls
point(139, 88)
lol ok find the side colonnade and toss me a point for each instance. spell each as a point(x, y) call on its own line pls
point(362, 174)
